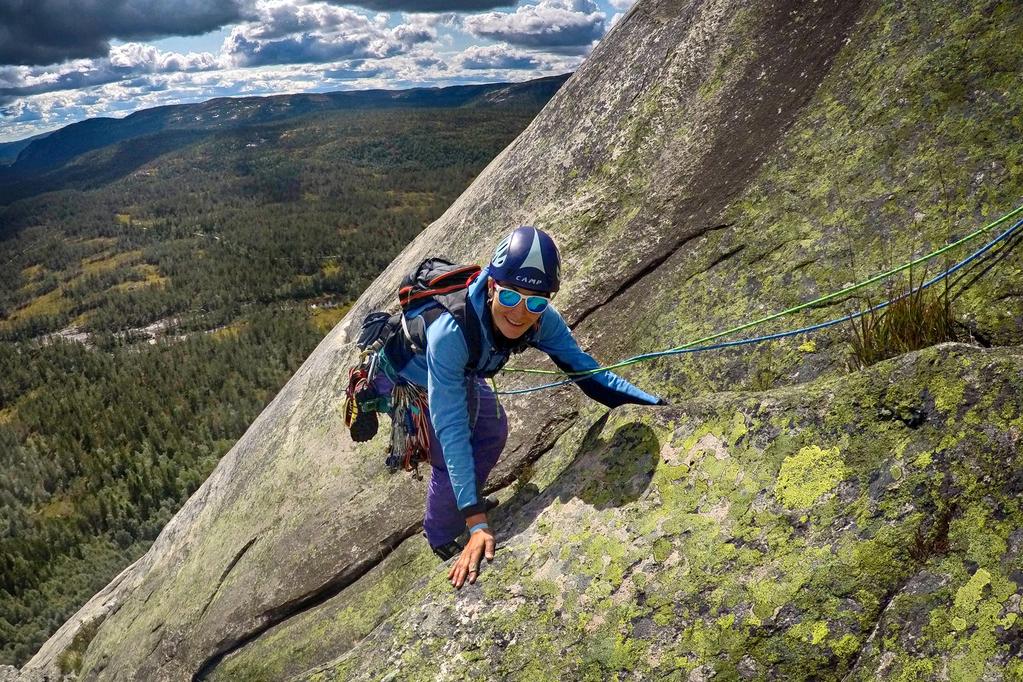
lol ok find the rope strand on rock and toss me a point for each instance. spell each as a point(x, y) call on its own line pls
point(700, 345)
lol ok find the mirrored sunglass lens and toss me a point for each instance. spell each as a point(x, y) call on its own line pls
point(509, 298)
point(536, 304)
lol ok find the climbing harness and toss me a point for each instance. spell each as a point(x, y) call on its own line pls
point(701, 345)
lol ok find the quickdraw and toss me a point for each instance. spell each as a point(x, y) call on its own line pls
point(410, 430)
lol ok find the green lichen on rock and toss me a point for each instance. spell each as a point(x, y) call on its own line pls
point(303, 641)
point(915, 126)
point(807, 475)
point(705, 570)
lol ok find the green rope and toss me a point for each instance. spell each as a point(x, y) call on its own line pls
point(795, 309)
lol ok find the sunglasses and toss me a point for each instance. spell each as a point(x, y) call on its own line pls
point(510, 298)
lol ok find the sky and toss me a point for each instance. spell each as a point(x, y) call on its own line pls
point(63, 61)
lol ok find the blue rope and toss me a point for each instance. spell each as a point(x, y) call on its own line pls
point(794, 332)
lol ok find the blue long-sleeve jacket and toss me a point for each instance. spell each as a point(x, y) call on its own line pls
point(442, 371)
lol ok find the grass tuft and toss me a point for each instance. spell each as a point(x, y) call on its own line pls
point(917, 319)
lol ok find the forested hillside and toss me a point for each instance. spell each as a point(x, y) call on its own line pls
point(152, 307)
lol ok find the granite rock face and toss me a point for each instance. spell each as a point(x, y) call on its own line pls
point(798, 533)
point(788, 518)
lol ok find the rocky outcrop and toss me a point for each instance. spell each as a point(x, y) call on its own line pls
point(712, 161)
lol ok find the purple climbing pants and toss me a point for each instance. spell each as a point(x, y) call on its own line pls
point(488, 426)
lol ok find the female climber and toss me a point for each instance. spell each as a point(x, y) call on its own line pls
point(505, 309)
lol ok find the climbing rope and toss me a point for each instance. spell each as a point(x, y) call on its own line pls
point(699, 346)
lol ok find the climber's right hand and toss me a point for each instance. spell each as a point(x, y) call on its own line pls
point(467, 566)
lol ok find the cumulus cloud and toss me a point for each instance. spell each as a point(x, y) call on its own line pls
point(569, 26)
point(501, 56)
point(287, 33)
point(146, 58)
point(429, 5)
point(20, 112)
point(284, 46)
point(430, 20)
point(40, 32)
point(123, 63)
point(284, 17)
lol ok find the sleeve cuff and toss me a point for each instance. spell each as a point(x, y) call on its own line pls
point(478, 508)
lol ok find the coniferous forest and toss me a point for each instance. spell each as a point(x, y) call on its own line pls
point(150, 310)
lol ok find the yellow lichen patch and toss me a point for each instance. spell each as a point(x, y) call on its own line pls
point(807, 475)
point(123, 218)
point(324, 319)
point(948, 393)
point(809, 631)
point(6, 415)
point(967, 599)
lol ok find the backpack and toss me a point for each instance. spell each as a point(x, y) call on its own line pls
point(434, 279)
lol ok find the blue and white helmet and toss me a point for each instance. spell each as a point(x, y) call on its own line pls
point(528, 258)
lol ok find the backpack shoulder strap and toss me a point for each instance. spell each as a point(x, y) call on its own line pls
point(458, 305)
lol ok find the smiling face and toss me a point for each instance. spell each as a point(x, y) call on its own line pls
point(512, 322)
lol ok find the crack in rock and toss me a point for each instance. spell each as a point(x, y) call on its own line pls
point(308, 601)
point(234, 562)
point(545, 441)
point(725, 256)
point(646, 270)
point(925, 546)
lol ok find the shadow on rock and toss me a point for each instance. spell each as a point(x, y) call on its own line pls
point(603, 473)
point(616, 472)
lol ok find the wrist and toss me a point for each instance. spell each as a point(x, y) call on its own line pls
point(472, 519)
point(482, 525)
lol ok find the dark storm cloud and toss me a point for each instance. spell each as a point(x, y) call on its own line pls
point(37, 32)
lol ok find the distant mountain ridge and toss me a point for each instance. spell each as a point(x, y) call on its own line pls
point(65, 144)
point(58, 160)
point(9, 150)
